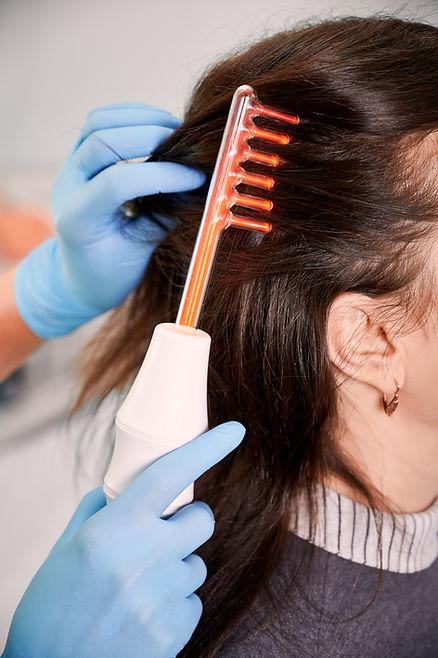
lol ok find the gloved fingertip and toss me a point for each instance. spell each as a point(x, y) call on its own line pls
point(174, 121)
point(233, 430)
point(197, 177)
point(207, 508)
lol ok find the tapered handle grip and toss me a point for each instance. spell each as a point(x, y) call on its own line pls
point(165, 408)
point(132, 454)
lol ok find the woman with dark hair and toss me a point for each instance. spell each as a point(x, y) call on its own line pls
point(323, 346)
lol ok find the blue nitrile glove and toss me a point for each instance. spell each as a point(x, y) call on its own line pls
point(121, 580)
point(98, 257)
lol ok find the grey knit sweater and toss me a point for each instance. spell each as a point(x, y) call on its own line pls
point(317, 617)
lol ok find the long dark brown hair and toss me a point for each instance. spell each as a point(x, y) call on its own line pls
point(352, 213)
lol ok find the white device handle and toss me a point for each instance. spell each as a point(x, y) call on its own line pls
point(165, 408)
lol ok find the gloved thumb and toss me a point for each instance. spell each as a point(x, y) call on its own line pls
point(91, 503)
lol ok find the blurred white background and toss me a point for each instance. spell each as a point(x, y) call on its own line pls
point(59, 59)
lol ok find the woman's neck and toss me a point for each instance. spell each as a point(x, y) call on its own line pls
point(398, 454)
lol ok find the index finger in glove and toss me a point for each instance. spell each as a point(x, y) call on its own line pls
point(166, 478)
point(125, 116)
point(107, 147)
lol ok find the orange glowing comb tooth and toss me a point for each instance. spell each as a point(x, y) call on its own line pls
point(222, 194)
point(252, 202)
point(271, 136)
point(262, 158)
point(255, 180)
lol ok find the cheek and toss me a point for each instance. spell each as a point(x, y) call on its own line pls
point(421, 383)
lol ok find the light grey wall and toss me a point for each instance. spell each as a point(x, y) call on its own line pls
point(58, 59)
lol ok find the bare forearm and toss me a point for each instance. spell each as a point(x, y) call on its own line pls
point(17, 341)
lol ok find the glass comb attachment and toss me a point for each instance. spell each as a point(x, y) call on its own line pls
point(222, 194)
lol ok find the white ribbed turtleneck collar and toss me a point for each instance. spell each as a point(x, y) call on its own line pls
point(348, 529)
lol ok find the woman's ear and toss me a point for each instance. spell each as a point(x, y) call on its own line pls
point(360, 346)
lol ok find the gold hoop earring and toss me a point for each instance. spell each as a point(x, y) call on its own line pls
point(391, 406)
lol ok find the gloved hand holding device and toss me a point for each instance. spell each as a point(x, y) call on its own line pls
point(120, 581)
point(93, 263)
